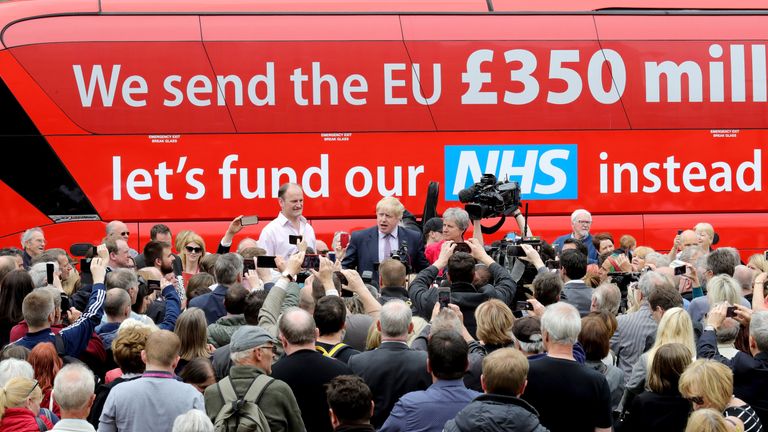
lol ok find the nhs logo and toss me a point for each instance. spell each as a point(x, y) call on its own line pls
point(545, 172)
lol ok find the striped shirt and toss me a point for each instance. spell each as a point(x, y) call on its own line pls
point(634, 335)
point(747, 415)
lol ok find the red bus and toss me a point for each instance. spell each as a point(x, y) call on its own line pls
point(651, 114)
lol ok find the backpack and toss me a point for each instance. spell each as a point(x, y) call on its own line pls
point(40, 424)
point(61, 350)
point(242, 414)
point(334, 352)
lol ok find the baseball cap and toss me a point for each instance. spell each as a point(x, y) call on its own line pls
point(527, 330)
point(247, 337)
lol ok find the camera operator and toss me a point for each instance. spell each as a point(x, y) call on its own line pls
point(461, 272)
point(456, 221)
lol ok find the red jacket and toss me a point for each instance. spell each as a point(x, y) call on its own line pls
point(21, 420)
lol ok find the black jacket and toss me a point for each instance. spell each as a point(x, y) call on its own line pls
point(496, 413)
point(307, 372)
point(463, 294)
point(660, 412)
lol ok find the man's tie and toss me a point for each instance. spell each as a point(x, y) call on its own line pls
point(387, 246)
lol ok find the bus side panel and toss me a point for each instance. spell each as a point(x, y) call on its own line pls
point(329, 75)
point(512, 72)
point(202, 177)
point(686, 72)
point(48, 117)
point(124, 74)
point(18, 213)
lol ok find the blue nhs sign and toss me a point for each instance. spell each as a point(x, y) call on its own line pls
point(544, 171)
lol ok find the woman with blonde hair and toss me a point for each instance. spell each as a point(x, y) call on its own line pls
point(721, 288)
point(709, 384)
point(19, 406)
point(709, 420)
point(705, 234)
point(758, 264)
point(675, 327)
point(494, 325)
point(192, 330)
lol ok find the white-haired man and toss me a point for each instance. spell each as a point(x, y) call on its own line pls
point(73, 391)
point(581, 222)
point(568, 396)
point(33, 242)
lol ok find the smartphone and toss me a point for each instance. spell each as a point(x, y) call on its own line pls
point(444, 297)
point(249, 220)
point(462, 247)
point(311, 262)
point(248, 264)
point(515, 251)
point(295, 239)
point(342, 278)
point(302, 277)
point(678, 266)
point(85, 265)
point(65, 305)
point(49, 272)
point(730, 312)
point(153, 285)
point(266, 261)
point(523, 305)
point(344, 240)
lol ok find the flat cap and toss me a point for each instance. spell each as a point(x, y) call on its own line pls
point(247, 337)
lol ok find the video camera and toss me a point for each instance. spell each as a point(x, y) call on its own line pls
point(402, 255)
point(622, 280)
point(511, 246)
point(490, 198)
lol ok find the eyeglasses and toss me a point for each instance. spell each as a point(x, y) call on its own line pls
point(271, 348)
point(192, 249)
point(125, 233)
point(584, 222)
point(32, 389)
point(698, 400)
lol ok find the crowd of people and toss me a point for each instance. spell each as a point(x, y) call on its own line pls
point(390, 328)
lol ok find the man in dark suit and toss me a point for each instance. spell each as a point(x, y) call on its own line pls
point(373, 245)
point(575, 291)
point(229, 271)
point(305, 370)
point(393, 369)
